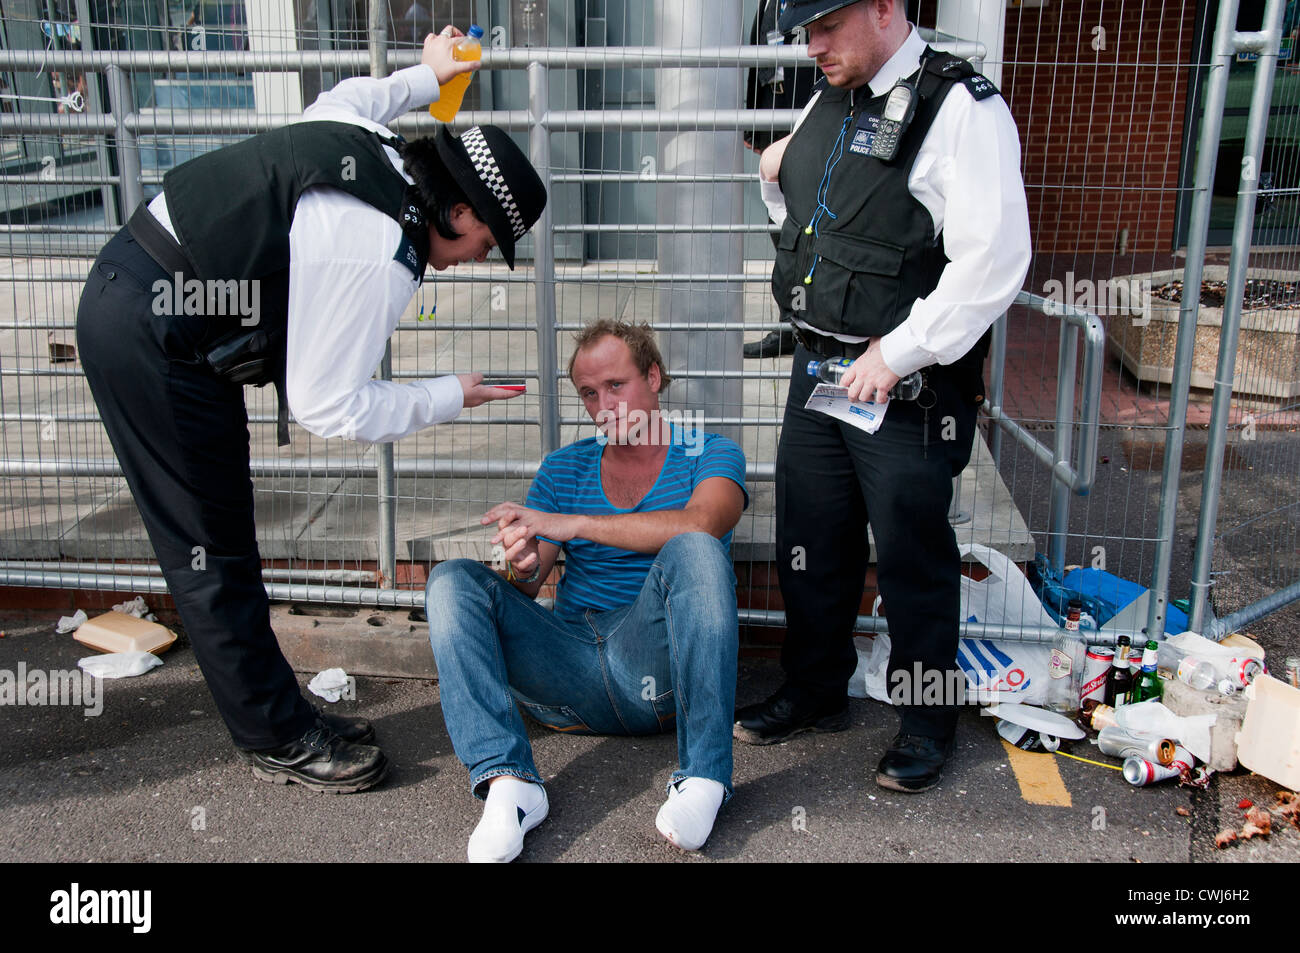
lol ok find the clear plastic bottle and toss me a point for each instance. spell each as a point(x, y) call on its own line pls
point(1197, 673)
point(832, 370)
point(452, 93)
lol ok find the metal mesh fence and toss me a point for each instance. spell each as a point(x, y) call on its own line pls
point(655, 216)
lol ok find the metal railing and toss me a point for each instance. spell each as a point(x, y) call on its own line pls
point(1071, 464)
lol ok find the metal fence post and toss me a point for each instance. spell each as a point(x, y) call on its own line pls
point(1059, 517)
point(1267, 43)
point(539, 141)
point(94, 104)
point(128, 150)
point(997, 375)
point(1197, 235)
point(385, 472)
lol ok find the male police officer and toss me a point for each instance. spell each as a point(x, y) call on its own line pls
point(907, 242)
point(331, 222)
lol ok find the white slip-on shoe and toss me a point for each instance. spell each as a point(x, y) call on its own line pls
point(509, 814)
point(686, 818)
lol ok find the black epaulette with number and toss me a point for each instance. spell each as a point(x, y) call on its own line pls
point(409, 256)
point(413, 251)
point(954, 67)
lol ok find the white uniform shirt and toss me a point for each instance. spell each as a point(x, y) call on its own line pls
point(346, 293)
point(967, 175)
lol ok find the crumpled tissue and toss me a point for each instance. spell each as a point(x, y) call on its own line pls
point(70, 623)
point(136, 607)
point(329, 684)
point(119, 664)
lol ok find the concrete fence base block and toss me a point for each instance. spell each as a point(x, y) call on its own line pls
point(361, 641)
point(1230, 711)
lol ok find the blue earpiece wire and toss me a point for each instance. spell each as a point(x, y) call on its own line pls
point(823, 191)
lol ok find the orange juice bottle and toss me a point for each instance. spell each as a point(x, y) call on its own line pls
point(464, 49)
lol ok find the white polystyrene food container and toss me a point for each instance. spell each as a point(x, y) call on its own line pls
point(1269, 740)
point(119, 632)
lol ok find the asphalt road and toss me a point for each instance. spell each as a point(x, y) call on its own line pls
point(154, 778)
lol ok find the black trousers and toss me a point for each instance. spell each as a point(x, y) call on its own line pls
point(181, 436)
point(831, 480)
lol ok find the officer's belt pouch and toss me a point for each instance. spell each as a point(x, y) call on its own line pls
point(244, 357)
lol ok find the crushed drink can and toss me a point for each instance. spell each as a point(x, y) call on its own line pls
point(1027, 739)
point(1140, 772)
point(1242, 671)
point(1095, 668)
point(1121, 743)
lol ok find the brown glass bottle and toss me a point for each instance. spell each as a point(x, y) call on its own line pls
point(1119, 680)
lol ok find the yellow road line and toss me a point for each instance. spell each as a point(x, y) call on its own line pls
point(1036, 773)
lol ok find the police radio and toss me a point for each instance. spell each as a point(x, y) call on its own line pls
point(900, 107)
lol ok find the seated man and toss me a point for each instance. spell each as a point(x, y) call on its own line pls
point(644, 633)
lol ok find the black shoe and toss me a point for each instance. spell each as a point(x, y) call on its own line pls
point(779, 718)
point(322, 761)
point(913, 763)
point(356, 730)
point(774, 344)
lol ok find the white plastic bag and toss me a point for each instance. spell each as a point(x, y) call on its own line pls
point(119, 664)
point(1153, 718)
point(1001, 671)
point(871, 677)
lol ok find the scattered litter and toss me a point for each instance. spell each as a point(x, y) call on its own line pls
point(329, 684)
point(1032, 729)
point(1182, 812)
point(1245, 803)
point(1198, 777)
point(1259, 823)
point(137, 608)
point(1289, 806)
point(119, 664)
point(1153, 718)
point(70, 623)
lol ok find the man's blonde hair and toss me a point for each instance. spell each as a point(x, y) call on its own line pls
point(639, 338)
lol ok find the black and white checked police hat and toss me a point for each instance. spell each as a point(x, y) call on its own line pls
point(497, 178)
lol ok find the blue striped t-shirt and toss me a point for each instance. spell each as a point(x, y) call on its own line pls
point(606, 577)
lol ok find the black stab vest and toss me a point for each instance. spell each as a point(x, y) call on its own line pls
point(879, 253)
point(232, 210)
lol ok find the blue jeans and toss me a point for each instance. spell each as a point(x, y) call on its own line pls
point(667, 660)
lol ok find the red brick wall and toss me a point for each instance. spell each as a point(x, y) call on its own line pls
point(1101, 130)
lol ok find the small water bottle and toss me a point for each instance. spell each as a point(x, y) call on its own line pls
point(833, 369)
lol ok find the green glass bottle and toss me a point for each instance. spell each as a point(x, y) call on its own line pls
point(1148, 686)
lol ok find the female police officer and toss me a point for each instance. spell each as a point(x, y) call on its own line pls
point(287, 258)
